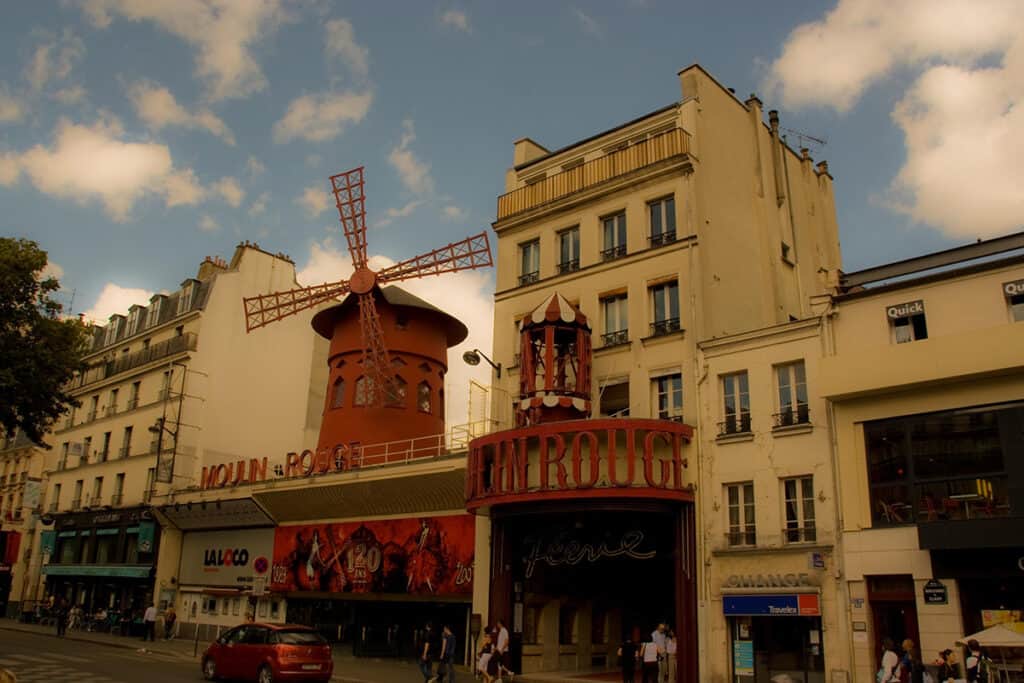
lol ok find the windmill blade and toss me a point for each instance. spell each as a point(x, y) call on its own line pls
point(351, 203)
point(470, 253)
point(376, 362)
point(267, 308)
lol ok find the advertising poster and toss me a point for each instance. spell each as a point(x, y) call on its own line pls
point(418, 555)
point(233, 558)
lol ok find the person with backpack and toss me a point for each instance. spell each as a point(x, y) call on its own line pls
point(889, 672)
point(978, 665)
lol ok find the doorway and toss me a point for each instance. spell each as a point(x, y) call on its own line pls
point(893, 610)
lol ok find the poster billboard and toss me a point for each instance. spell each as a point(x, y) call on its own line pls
point(225, 558)
point(416, 555)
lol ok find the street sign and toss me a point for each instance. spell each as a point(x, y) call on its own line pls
point(935, 593)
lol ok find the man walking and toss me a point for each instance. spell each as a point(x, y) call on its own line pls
point(658, 639)
point(60, 612)
point(501, 651)
point(446, 669)
point(149, 624)
point(430, 649)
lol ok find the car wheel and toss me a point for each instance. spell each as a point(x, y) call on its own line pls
point(209, 669)
point(265, 675)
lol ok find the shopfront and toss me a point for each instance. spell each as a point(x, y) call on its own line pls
point(774, 634)
point(104, 560)
point(990, 582)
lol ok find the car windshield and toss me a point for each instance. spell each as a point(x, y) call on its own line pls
point(300, 638)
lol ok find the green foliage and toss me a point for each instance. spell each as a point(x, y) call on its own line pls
point(39, 352)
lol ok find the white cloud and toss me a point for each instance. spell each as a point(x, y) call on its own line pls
point(456, 19)
point(53, 270)
point(54, 59)
point(208, 224)
point(73, 94)
point(414, 173)
point(95, 162)
point(113, 299)
point(224, 34)
point(401, 212)
point(474, 306)
point(254, 166)
point(230, 189)
point(259, 207)
point(453, 213)
point(588, 24)
point(157, 107)
point(341, 44)
point(322, 116)
point(313, 200)
point(964, 106)
point(11, 108)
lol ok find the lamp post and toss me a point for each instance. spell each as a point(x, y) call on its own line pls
point(473, 358)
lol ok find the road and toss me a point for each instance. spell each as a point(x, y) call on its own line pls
point(47, 659)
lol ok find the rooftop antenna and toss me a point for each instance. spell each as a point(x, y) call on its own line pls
point(804, 139)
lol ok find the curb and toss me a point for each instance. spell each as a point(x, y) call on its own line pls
point(94, 641)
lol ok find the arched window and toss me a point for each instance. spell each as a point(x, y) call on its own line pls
point(423, 397)
point(338, 393)
point(396, 399)
point(362, 392)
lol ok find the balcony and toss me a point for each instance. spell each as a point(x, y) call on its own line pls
point(103, 456)
point(800, 534)
point(116, 499)
point(133, 403)
point(660, 328)
point(76, 504)
point(159, 351)
point(662, 238)
point(592, 174)
point(110, 411)
point(529, 278)
point(568, 266)
point(615, 338)
point(95, 501)
point(734, 424)
point(612, 253)
point(791, 418)
point(124, 451)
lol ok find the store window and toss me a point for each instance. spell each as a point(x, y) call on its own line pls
point(798, 494)
point(735, 404)
point(106, 546)
point(791, 382)
point(567, 626)
point(942, 466)
point(740, 508)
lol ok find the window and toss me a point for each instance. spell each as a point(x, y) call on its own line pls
point(86, 450)
point(397, 393)
point(614, 236)
point(531, 625)
point(740, 502)
point(567, 630)
point(55, 503)
point(907, 322)
point(126, 442)
point(105, 453)
point(63, 462)
point(615, 310)
point(153, 316)
point(529, 263)
point(338, 393)
point(665, 306)
point(106, 545)
point(112, 404)
point(185, 298)
point(118, 489)
point(663, 221)
point(423, 397)
point(614, 397)
point(113, 329)
point(362, 397)
point(97, 490)
point(133, 395)
point(94, 406)
point(792, 384)
point(569, 250)
point(735, 404)
point(799, 500)
point(134, 314)
point(147, 494)
point(668, 397)
point(165, 386)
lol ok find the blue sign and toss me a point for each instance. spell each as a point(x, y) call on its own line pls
point(743, 657)
point(761, 605)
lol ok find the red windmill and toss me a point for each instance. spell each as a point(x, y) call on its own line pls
point(377, 385)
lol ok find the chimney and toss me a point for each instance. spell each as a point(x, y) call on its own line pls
point(773, 121)
point(823, 167)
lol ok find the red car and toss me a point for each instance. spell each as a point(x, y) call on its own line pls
point(267, 653)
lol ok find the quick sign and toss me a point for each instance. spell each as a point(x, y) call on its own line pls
point(1013, 288)
point(225, 558)
point(771, 605)
point(905, 310)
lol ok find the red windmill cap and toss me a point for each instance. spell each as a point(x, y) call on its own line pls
point(554, 309)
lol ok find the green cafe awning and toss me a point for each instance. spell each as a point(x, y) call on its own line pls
point(128, 571)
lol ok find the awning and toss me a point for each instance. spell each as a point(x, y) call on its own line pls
point(106, 570)
point(421, 493)
point(235, 513)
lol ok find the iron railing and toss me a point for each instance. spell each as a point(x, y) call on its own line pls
point(529, 278)
point(615, 338)
point(663, 327)
point(800, 534)
point(746, 537)
point(115, 500)
point(735, 424)
point(76, 504)
point(612, 253)
point(791, 417)
point(158, 351)
point(570, 266)
point(662, 238)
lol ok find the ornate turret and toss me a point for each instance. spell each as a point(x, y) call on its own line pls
point(554, 379)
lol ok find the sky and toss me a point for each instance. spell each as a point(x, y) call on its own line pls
point(138, 137)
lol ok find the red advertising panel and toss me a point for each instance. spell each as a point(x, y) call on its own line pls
point(418, 555)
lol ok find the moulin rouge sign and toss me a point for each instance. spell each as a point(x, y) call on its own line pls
point(305, 464)
point(579, 458)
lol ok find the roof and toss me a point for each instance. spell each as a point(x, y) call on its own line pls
point(555, 308)
point(323, 322)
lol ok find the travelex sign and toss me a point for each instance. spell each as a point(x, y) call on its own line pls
point(800, 605)
point(905, 310)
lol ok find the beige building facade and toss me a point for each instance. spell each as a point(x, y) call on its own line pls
point(21, 470)
point(924, 374)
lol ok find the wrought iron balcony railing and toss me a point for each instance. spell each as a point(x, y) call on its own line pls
point(570, 266)
point(791, 417)
point(612, 253)
point(663, 327)
point(158, 351)
point(529, 278)
point(615, 338)
point(735, 424)
point(662, 238)
point(800, 534)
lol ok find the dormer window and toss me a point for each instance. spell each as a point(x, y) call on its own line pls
point(113, 329)
point(134, 316)
point(153, 316)
point(187, 296)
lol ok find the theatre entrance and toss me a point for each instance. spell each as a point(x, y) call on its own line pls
point(572, 584)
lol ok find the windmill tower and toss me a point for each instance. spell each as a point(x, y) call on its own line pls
point(388, 353)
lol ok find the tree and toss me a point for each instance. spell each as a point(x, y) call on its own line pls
point(39, 352)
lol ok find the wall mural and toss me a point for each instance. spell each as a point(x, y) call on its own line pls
point(419, 555)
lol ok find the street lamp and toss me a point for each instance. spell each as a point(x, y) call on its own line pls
point(473, 358)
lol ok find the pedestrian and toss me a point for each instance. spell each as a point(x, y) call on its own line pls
point(911, 667)
point(649, 655)
point(430, 649)
point(61, 617)
point(502, 650)
point(889, 670)
point(948, 670)
point(977, 663)
point(446, 665)
point(658, 637)
point(486, 654)
point(671, 648)
point(627, 659)
point(170, 619)
point(149, 624)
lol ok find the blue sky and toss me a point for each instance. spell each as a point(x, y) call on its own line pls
point(137, 138)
